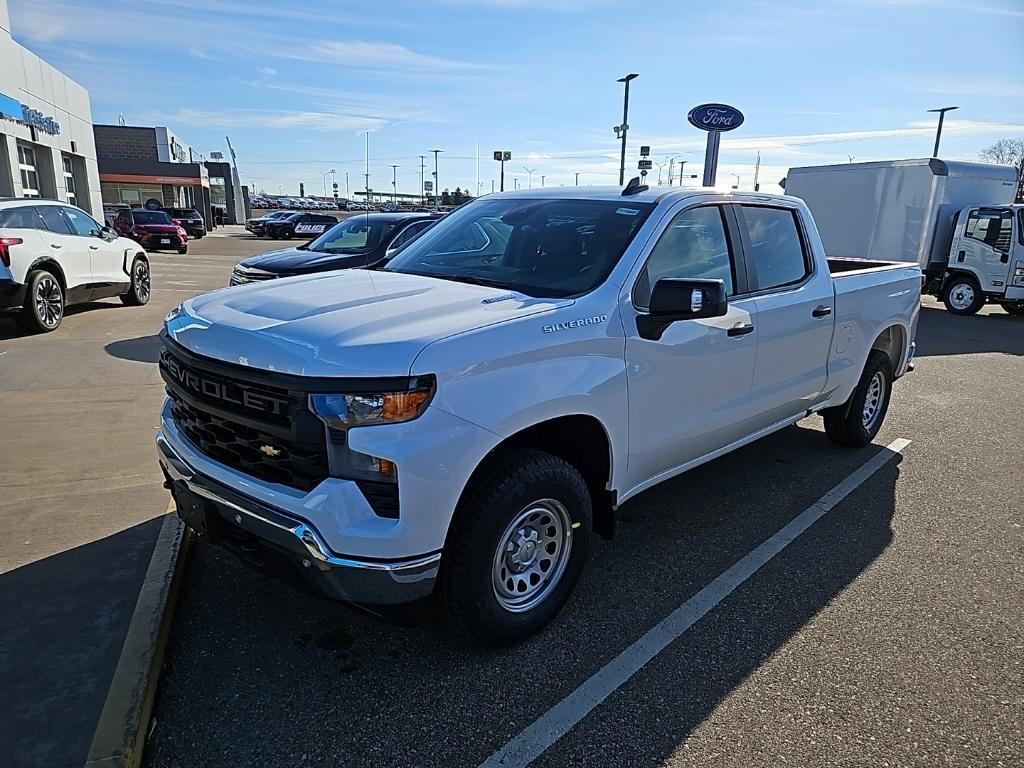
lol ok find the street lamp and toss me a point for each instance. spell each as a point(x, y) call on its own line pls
point(437, 187)
point(394, 183)
point(529, 171)
point(737, 184)
point(682, 164)
point(938, 131)
point(621, 130)
point(577, 178)
point(542, 181)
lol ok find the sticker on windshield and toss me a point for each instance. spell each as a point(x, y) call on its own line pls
point(628, 211)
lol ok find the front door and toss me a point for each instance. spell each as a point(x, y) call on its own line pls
point(106, 258)
point(67, 249)
point(985, 246)
point(689, 391)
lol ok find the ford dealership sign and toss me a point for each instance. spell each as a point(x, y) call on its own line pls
point(715, 117)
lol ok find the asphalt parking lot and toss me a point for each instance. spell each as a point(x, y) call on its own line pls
point(888, 633)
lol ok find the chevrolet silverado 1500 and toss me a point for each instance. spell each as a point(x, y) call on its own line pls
point(460, 421)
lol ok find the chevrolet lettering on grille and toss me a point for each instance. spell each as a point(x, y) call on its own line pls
point(227, 392)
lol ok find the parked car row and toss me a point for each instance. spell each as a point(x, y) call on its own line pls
point(296, 203)
point(286, 225)
point(358, 242)
point(156, 228)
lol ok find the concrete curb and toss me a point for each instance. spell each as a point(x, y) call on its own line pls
point(121, 731)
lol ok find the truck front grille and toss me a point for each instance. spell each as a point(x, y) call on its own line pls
point(263, 430)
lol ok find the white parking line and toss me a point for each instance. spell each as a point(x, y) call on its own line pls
point(530, 743)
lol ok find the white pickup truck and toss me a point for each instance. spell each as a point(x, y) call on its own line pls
point(460, 421)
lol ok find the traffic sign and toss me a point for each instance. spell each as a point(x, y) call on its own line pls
point(645, 151)
point(644, 164)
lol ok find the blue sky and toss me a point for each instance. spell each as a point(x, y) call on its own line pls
point(297, 85)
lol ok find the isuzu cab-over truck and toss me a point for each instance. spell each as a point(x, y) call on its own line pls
point(954, 219)
point(460, 421)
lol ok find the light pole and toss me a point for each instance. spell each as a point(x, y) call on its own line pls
point(682, 163)
point(671, 167)
point(530, 179)
point(423, 173)
point(394, 184)
point(577, 178)
point(737, 185)
point(437, 187)
point(515, 182)
point(938, 131)
point(621, 130)
point(348, 192)
point(542, 181)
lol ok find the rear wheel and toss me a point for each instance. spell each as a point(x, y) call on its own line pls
point(963, 295)
point(44, 303)
point(139, 292)
point(183, 249)
point(1013, 308)
point(517, 547)
point(857, 421)
point(286, 233)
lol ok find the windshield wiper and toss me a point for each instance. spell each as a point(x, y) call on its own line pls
point(472, 279)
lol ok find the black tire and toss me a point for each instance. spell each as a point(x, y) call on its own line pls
point(962, 295)
point(1013, 308)
point(849, 423)
point(515, 483)
point(139, 292)
point(287, 233)
point(183, 250)
point(46, 313)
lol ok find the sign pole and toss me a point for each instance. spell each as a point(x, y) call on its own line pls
point(711, 158)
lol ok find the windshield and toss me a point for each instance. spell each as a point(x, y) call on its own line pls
point(152, 217)
point(549, 248)
point(358, 234)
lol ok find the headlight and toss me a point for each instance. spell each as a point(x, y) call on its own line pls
point(359, 410)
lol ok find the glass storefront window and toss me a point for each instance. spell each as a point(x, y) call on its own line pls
point(29, 175)
point(218, 195)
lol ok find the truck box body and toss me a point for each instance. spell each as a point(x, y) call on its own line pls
point(899, 210)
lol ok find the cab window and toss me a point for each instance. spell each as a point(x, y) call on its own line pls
point(776, 248)
point(694, 245)
point(991, 226)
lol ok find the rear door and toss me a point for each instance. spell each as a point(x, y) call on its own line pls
point(795, 305)
point(69, 250)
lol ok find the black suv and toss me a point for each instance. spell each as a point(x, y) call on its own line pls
point(188, 219)
point(304, 225)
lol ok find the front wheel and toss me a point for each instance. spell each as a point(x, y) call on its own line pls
point(516, 547)
point(1013, 308)
point(857, 421)
point(963, 295)
point(138, 293)
point(286, 234)
point(183, 249)
point(44, 304)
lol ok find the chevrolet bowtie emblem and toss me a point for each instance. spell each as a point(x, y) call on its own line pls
point(270, 450)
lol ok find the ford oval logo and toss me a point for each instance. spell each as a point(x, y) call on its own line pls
point(715, 117)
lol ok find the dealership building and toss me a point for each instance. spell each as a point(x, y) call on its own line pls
point(46, 138)
point(139, 163)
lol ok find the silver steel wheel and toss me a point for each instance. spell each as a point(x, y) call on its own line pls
point(961, 296)
point(532, 555)
point(49, 301)
point(873, 400)
point(142, 281)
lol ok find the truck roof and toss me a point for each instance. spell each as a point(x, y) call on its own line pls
point(937, 166)
point(651, 195)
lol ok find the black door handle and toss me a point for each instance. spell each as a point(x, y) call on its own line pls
point(741, 330)
point(822, 311)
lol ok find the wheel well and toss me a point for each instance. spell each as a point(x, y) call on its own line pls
point(891, 341)
point(581, 441)
point(54, 268)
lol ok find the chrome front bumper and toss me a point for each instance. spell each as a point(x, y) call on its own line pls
point(344, 578)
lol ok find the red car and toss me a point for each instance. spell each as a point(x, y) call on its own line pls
point(153, 230)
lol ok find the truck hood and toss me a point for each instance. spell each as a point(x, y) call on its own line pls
point(341, 324)
point(291, 260)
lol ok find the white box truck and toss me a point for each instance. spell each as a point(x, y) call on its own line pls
point(955, 219)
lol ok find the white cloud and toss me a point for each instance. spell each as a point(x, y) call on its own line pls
point(269, 71)
point(318, 121)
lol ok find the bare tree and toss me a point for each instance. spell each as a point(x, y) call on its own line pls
point(1008, 152)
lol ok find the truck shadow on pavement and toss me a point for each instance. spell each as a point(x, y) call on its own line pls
point(63, 621)
point(259, 673)
point(142, 349)
point(941, 333)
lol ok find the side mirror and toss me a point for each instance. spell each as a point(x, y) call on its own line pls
point(108, 233)
point(680, 298)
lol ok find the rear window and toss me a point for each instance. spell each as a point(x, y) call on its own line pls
point(152, 217)
point(182, 213)
point(19, 218)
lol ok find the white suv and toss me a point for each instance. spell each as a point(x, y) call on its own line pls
point(53, 254)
